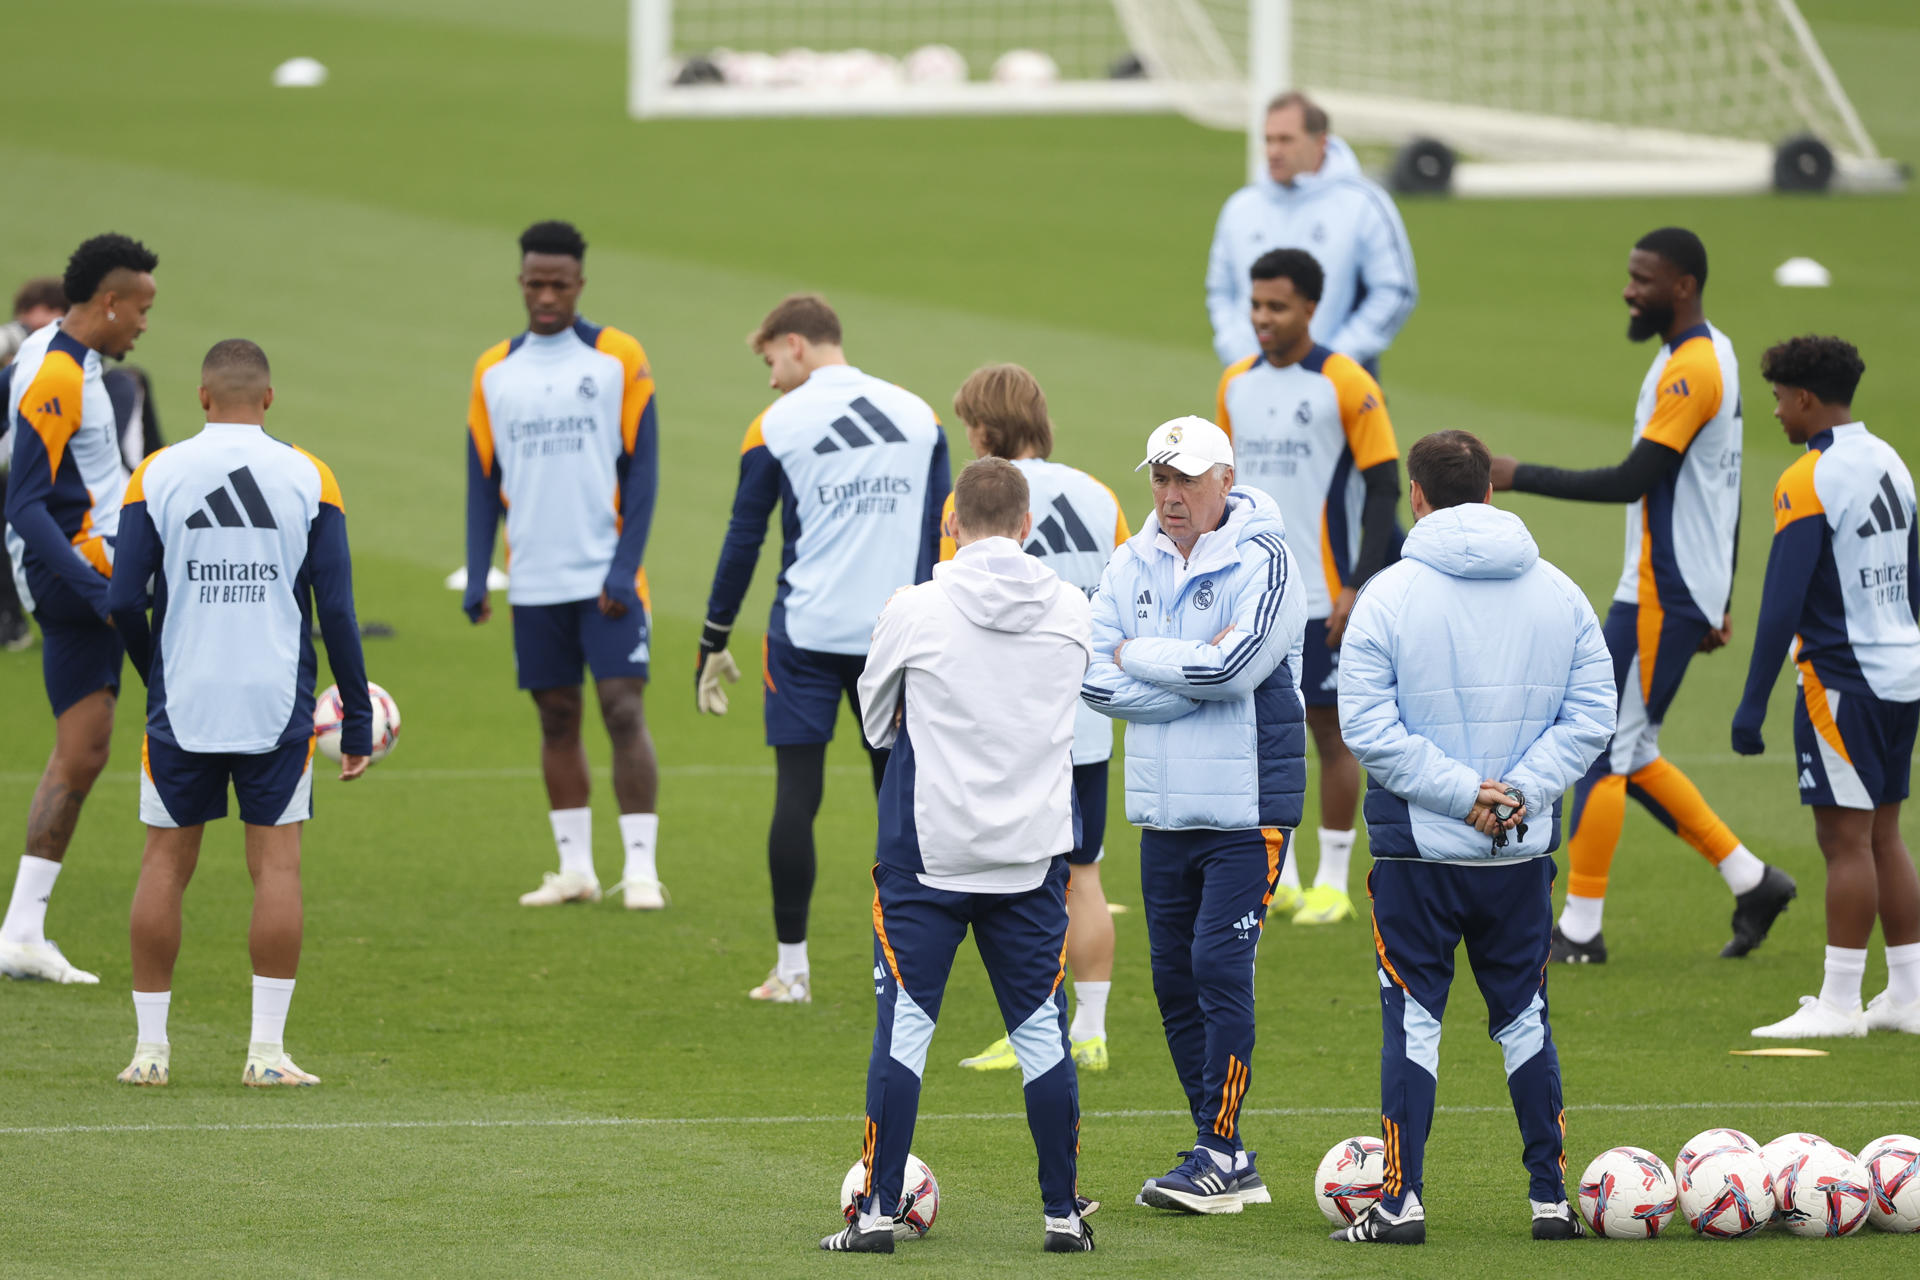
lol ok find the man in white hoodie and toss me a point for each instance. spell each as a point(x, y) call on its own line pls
point(1313, 197)
point(972, 681)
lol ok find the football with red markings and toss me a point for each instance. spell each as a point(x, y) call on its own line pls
point(1726, 1194)
point(1349, 1178)
point(1628, 1193)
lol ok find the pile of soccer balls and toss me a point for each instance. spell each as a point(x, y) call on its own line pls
point(1729, 1186)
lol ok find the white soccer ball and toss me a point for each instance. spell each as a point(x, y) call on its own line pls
point(300, 73)
point(858, 69)
point(936, 64)
point(749, 69)
point(796, 69)
point(1783, 1151)
point(1628, 1193)
point(919, 1197)
point(1349, 1177)
point(1893, 1183)
point(1822, 1192)
point(1874, 1148)
point(1726, 1195)
point(1812, 1140)
point(329, 714)
point(1025, 68)
point(1711, 1140)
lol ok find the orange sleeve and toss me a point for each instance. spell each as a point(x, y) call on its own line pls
point(1234, 370)
point(479, 422)
point(754, 439)
point(948, 547)
point(638, 391)
point(329, 487)
point(1794, 498)
point(1689, 395)
point(1363, 412)
point(51, 404)
point(137, 482)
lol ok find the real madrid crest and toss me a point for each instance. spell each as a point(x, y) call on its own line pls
point(1174, 434)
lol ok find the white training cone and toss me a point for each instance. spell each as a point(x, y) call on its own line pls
point(299, 73)
point(1802, 273)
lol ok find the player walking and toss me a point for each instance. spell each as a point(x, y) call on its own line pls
point(1077, 522)
point(63, 512)
point(563, 439)
point(859, 468)
point(971, 684)
point(1681, 484)
point(1840, 581)
point(1196, 636)
point(245, 541)
point(1310, 429)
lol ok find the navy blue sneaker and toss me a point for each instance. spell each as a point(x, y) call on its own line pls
point(1247, 1183)
point(1195, 1185)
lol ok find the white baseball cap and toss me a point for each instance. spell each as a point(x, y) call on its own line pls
point(1190, 445)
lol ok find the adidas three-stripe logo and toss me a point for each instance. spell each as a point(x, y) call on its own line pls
point(1889, 513)
point(220, 503)
point(853, 437)
point(1063, 531)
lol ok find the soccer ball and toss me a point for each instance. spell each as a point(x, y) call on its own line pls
point(1812, 1140)
point(1726, 1194)
point(1628, 1193)
point(1872, 1149)
point(919, 1197)
point(1893, 1184)
point(1712, 1140)
point(937, 64)
point(1349, 1177)
point(329, 714)
point(1822, 1192)
point(1025, 68)
point(1782, 1152)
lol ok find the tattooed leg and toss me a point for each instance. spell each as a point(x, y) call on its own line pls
point(82, 738)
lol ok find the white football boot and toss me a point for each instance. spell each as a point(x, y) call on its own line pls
point(642, 895)
point(557, 887)
point(41, 961)
point(268, 1065)
point(1884, 1015)
point(1816, 1020)
point(149, 1066)
point(775, 990)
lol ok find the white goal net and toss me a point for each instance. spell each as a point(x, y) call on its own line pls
point(1601, 95)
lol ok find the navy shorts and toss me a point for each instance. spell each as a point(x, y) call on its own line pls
point(80, 653)
point(1319, 667)
point(554, 643)
point(803, 689)
point(1651, 649)
point(186, 788)
point(1090, 793)
point(1852, 750)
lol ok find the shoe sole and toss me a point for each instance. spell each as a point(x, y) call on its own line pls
point(1259, 1195)
point(1157, 1197)
point(1811, 1035)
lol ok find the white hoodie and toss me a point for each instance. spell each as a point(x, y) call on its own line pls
point(973, 680)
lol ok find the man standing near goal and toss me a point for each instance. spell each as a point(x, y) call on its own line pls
point(1196, 636)
point(859, 468)
point(1681, 484)
point(1313, 197)
point(563, 440)
point(971, 684)
point(244, 539)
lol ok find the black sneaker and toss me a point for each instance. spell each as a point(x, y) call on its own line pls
point(1566, 951)
point(1755, 910)
point(1068, 1235)
point(1085, 1207)
point(852, 1239)
point(1375, 1227)
point(1558, 1223)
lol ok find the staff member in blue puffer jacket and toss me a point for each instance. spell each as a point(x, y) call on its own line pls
point(1197, 629)
point(1473, 675)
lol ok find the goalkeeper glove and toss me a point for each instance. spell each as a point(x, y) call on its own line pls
point(715, 665)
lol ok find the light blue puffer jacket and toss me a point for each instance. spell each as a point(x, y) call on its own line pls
point(1471, 658)
point(1216, 734)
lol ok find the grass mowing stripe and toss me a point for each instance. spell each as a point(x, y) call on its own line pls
point(969, 1117)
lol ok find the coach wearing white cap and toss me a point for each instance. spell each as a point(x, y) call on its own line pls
point(1197, 632)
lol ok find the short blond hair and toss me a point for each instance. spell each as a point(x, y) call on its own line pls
point(990, 498)
point(1005, 404)
point(805, 314)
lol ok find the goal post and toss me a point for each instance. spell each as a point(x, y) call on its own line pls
point(1483, 97)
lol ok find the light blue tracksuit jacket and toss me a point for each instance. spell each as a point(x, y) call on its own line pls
point(1471, 658)
point(1345, 221)
point(1216, 734)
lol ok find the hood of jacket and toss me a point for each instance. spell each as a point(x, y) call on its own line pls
point(1250, 513)
point(1340, 162)
point(997, 585)
point(1473, 540)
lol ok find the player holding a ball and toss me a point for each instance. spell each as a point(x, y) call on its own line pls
point(235, 542)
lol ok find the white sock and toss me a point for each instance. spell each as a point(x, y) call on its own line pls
point(792, 962)
point(1741, 870)
point(1240, 1161)
point(27, 913)
point(271, 996)
point(1090, 1009)
point(1580, 918)
point(1336, 852)
point(638, 832)
point(573, 836)
point(1290, 869)
point(1223, 1160)
point(1903, 973)
point(150, 1012)
point(1846, 966)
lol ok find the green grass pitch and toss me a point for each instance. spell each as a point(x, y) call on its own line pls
point(587, 1092)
